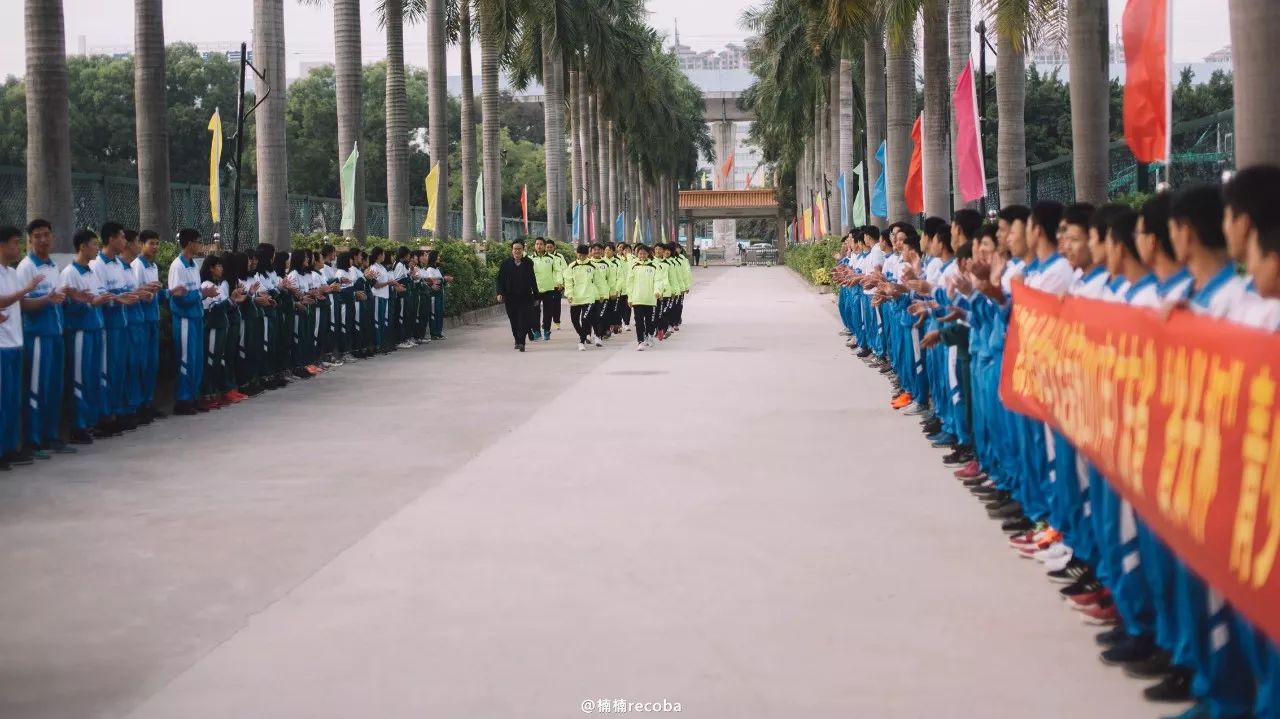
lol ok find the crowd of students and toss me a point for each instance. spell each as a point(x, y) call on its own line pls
point(85, 341)
point(605, 286)
point(929, 310)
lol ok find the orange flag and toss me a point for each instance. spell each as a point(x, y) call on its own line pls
point(915, 175)
point(1147, 90)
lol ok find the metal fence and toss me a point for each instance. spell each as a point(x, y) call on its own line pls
point(99, 198)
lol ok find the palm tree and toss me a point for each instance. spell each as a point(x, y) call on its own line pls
point(874, 72)
point(153, 132)
point(397, 110)
point(1090, 98)
point(960, 35)
point(468, 125)
point(900, 91)
point(835, 150)
point(437, 110)
point(1011, 131)
point(553, 113)
point(272, 160)
point(48, 128)
point(1254, 27)
point(935, 134)
point(349, 77)
point(846, 145)
point(495, 27)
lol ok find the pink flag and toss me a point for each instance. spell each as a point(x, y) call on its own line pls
point(969, 166)
point(592, 224)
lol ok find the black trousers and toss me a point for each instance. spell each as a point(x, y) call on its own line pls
point(580, 315)
point(550, 306)
point(520, 314)
point(556, 306)
point(624, 311)
point(644, 322)
point(599, 318)
point(677, 311)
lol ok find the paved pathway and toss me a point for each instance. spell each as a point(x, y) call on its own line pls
point(735, 522)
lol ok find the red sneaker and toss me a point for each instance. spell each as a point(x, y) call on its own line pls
point(230, 398)
point(1100, 615)
point(970, 471)
point(1082, 602)
point(661, 335)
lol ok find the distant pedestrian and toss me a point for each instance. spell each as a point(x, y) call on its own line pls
point(697, 256)
point(517, 289)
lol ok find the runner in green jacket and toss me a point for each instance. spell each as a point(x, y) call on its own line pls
point(580, 289)
point(644, 283)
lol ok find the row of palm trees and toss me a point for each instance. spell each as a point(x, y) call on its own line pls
point(614, 101)
point(816, 112)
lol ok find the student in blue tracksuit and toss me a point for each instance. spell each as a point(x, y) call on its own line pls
point(185, 306)
point(144, 337)
point(12, 290)
point(42, 366)
point(116, 279)
point(86, 295)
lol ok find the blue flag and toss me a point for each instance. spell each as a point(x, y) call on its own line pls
point(620, 227)
point(880, 200)
point(577, 221)
point(648, 231)
point(844, 201)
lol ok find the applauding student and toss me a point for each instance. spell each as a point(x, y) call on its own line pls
point(186, 308)
point(84, 340)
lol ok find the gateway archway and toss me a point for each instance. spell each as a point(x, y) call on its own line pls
point(731, 205)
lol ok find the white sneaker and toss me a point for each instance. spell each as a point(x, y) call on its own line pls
point(1057, 565)
point(640, 347)
point(626, 328)
point(649, 341)
point(599, 343)
point(582, 347)
point(1055, 552)
point(407, 344)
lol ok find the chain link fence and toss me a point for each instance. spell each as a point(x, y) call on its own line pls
point(99, 198)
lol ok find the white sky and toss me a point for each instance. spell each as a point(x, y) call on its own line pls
point(1200, 27)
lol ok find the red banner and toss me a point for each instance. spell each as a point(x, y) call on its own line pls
point(1180, 415)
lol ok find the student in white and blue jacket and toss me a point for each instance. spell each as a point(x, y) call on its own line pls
point(42, 366)
point(186, 308)
point(147, 278)
point(117, 279)
point(12, 290)
point(86, 295)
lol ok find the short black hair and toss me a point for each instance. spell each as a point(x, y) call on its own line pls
point(1201, 207)
point(298, 259)
point(943, 235)
point(990, 229)
point(148, 235)
point(1122, 226)
point(130, 235)
point(81, 237)
point(206, 267)
point(539, 238)
point(375, 254)
point(965, 252)
point(517, 242)
point(1078, 214)
point(1255, 191)
point(1048, 215)
point(551, 242)
point(643, 247)
point(970, 222)
point(913, 240)
point(1155, 220)
point(38, 224)
point(111, 229)
point(582, 249)
point(343, 261)
point(1013, 213)
point(871, 230)
point(931, 225)
point(326, 249)
point(8, 232)
point(187, 236)
point(1101, 220)
point(401, 252)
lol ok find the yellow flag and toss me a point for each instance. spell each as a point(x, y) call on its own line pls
point(215, 160)
point(808, 223)
point(433, 184)
point(635, 236)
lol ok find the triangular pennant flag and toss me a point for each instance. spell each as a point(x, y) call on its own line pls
point(635, 235)
point(577, 221)
point(844, 200)
point(879, 196)
point(349, 188)
point(215, 162)
point(1147, 84)
point(914, 189)
point(524, 207)
point(480, 205)
point(859, 206)
point(620, 227)
point(431, 185)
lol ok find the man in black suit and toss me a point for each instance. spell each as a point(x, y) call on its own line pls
point(518, 290)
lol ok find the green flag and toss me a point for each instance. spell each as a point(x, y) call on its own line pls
point(349, 188)
point(480, 205)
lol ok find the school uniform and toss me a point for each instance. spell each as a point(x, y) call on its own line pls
point(112, 273)
point(43, 357)
point(561, 265)
point(580, 291)
point(644, 284)
point(546, 272)
point(10, 364)
point(381, 304)
point(249, 346)
point(216, 323)
point(603, 279)
point(396, 308)
point(303, 337)
point(188, 328)
point(146, 332)
point(436, 277)
point(85, 347)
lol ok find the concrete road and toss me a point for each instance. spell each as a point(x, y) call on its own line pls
point(736, 522)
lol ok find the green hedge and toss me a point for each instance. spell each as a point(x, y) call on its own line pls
point(810, 256)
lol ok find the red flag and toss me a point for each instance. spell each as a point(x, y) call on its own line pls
point(725, 172)
point(1147, 89)
point(524, 207)
point(591, 224)
point(914, 189)
point(969, 166)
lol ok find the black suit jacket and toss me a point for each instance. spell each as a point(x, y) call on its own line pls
point(516, 283)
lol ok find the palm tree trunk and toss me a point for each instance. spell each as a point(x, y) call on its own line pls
point(553, 112)
point(272, 158)
point(575, 132)
point(900, 94)
point(489, 52)
point(1255, 25)
point(153, 132)
point(593, 172)
point(960, 34)
point(846, 145)
point(348, 75)
point(615, 182)
point(468, 122)
point(602, 168)
point(48, 127)
point(834, 98)
point(437, 110)
point(397, 103)
point(1011, 131)
point(874, 82)
point(1090, 98)
point(935, 135)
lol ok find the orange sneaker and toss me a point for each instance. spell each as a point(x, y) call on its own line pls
point(901, 401)
point(314, 370)
point(231, 398)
